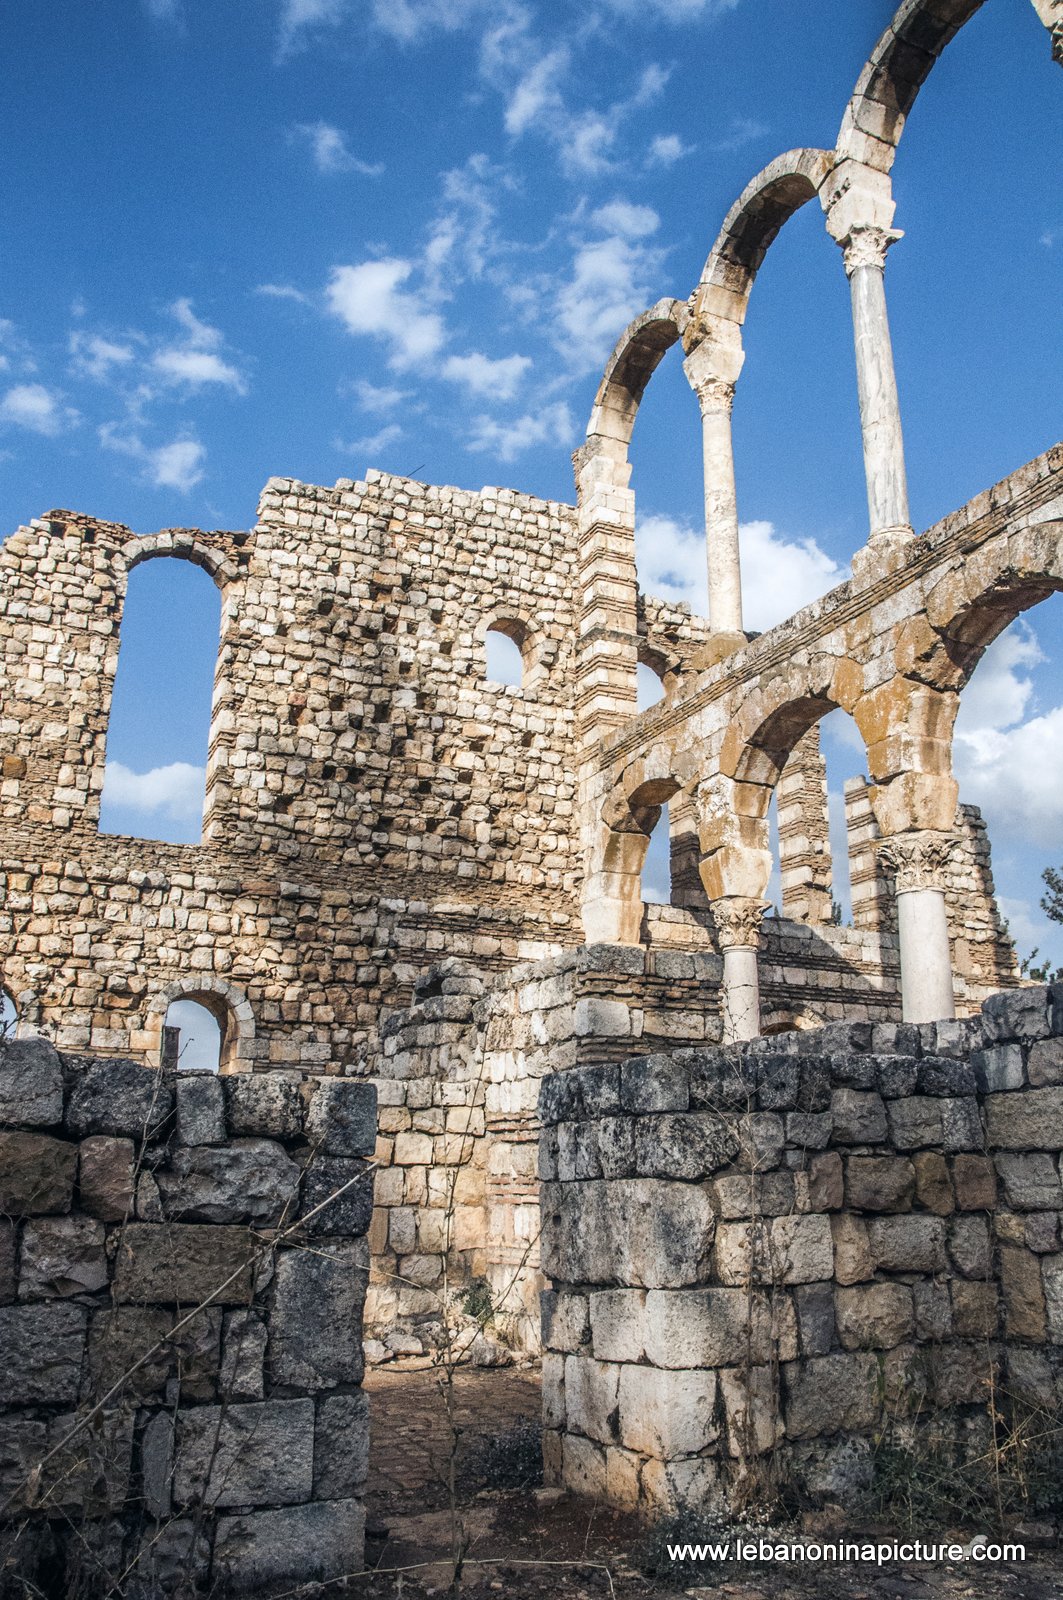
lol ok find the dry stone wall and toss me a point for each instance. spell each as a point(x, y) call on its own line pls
point(762, 1259)
point(183, 1266)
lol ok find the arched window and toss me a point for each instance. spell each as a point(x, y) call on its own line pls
point(657, 868)
point(649, 687)
point(8, 1015)
point(193, 1036)
point(159, 726)
point(509, 653)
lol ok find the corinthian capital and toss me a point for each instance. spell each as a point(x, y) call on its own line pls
point(917, 860)
point(738, 922)
point(867, 246)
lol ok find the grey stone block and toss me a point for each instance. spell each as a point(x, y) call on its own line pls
point(942, 1075)
point(715, 1327)
point(315, 1339)
point(1032, 1120)
point(998, 1068)
point(814, 1305)
point(105, 1177)
point(859, 1117)
point(896, 1075)
point(200, 1109)
point(1017, 1014)
point(690, 1146)
point(23, 1442)
point(61, 1256)
point(36, 1174)
point(179, 1263)
point(117, 1097)
point(879, 1183)
point(297, 1544)
point(341, 1445)
point(248, 1180)
point(31, 1084)
point(654, 1083)
point(915, 1122)
point(242, 1374)
point(121, 1336)
point(341, 1118)
point(351, 1212)
point(264, 1104)
point(874, 1316)
point(1031, 1182)
point(245, 1455)
point(157, 1464)
point(600, 1091)
point(908, 1244)
point(830, 1393)
point(44, 1347)
point(8, 1259)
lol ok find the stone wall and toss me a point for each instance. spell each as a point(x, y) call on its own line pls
point(762, 1259)
point(182, 1272)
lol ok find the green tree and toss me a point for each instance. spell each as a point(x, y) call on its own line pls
point(1052, 902)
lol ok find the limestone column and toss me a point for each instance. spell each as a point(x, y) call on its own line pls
point(880, 414)
point(712, 368)
point(738, 922)
point(918, 861)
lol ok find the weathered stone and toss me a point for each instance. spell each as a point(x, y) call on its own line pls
point(875, 1316)
point(879, 1183)
point(105, 1177)
point(175, 1553)
point(121, 1337)
point(44, 1347)
point(826, 1182)
point(830, 1394)
point(617, 1324)
point(242, 1375)
point(809, 1130)
point(945, 1077)
point(974, 1179)
point(247, 1180)
point(962, 1374)
point(323, 1540)
point(1023, 1295)
point(315, 1325)
point(786, 1250)
point(31, 1084)
point(690, 1146)
point(654, 1083)
point(859, 1118)
point(853, 1262)
point(339, 1191)
point(61, 1256)
point(745, 1194)
point(1031, 1182)
point(970, 1246)
point(933, 1185)
point(200, 1109)
point(751, 1410)
point(184, 1264)
point(814, 1304)
point(157, 1464)
point(90, 1461)
point(933, 1310)
point(1052, 1283)
point(591, 1390)
point(999, 1068)
point(241, 1455)
point(1017, 1014)
point(706, 1327)
point(341, 1445)
point(23, 1442)
point(1042, 1231)
point(1045, 1064)
point(8, 1260)
point(36, 1174)
point(974, 1309)
point(915, 1122)
point(1032, 1120)
point(642, 1232)
point(118, 1097)
point(565, 1320)
point(341, 1117)
point(263, 1104)
point(908, 1244)
point(961, 1125)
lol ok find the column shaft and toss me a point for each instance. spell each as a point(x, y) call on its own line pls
point(741, 995)
point(926, 960)
point(880, 414)
point(721, 517)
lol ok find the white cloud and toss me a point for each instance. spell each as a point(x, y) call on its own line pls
point(379, 398)
point(96, 357)
point(611, 280)
point(174, 791)
point(373, 444)
point(666, 149)
point(301, 16)
point(163, 10)
point(997, 696)
point(177, 465)
point(630, 221)
point(39, 410)
point(779, 575)
point(282, 291)
point(554, 424)
point(368, 300)
point(196, 362)
point(498, 379)
point(742, 131)
point(537, 92)
point(331, 152)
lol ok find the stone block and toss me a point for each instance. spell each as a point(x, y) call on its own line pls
point(706, 1327)
point(565, 1320)
point(961, 1373)
point(583, 1467)
point(1042, 1231)
point(315, 1339)
point(666, 1413)
point(970, 1246)
point(200, 1109)
point(777, 1078)
point(830, 1394)
point(853, 1262)
point(751, 1411)
point(1031, 1182)
point(120, 1337)
point(814, 1306)
point(341, 1445)
point(36, 1174)
point(118, 1097)
point(1045, 1064)
point(346, 1205)
point(1023, 1294)
point(341, 1117)
point(639, 1232)
point(908, 1244)
point(295, 1544)
point(879, 1183)
point(89, 1470)
point(44, 1347)
point(245, 1455)
point(654, 1083)
point(961, 1124)
point(826, 1182)
point(998, 1068)
point(157, 1464)
point(933, 1184)
point(874, 1316)
point(1029, 1120)
point(719, 1080)
point(105, 1177)
point(690, 1146)
point(933, 1310)
point(23, 1442)
point(915, 1122)
point(266, 1105)
point(599, 1089)
point(1017, 1014)
point(617, 1318)
point(591, 1389)
point(974, 1179)
point(242, 1372)
point(945, 1077)
point(179, 1263)
point(896, 1076)
point(615, 1146)
point(247, 1180)
point(1052, 1287)
point(974, 1309)
point(61, 1256)
point(31, 1084)
point(859, 1118)
point(746, 1194)
point(8, 1260)
point(809, 1130)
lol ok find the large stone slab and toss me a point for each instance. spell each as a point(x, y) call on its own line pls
point(248, 1180)
point(341, 1117)
point(706, 1327)
point(43, 1347)
point(61, 1256)
point(241, 1455)
point(1030, 1120)
point(831, 1393)
point(642, 1232)
point(120, 1337)
point(105, 1177)
point(296, 1544)
point(182, 1263)
point(315, 1337)
point(118, 1097)
point(268, 1104)
point(36, 1174)
point(31, 1084)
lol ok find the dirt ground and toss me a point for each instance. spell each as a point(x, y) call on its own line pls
point(531, 1543)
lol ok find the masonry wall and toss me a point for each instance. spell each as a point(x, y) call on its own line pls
point(761, 1260)
point(183, 1266)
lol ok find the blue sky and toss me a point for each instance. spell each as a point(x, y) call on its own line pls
point(305, 237)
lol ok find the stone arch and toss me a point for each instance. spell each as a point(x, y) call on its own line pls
point(751, 225)
point(227, 1004)
point(182, 546)
point(635, 359)
point(900, 64)
point(515, 622)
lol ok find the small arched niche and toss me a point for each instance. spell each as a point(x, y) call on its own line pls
point(193, 1035)
point(203, 1025)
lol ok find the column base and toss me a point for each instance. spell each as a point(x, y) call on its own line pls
point(885, 552)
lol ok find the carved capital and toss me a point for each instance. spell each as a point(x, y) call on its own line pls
point(917, 860)
point(714, 394)
point(738, 922)
point(866, 246)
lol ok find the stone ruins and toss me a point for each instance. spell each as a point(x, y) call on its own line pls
point(780, 1157)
